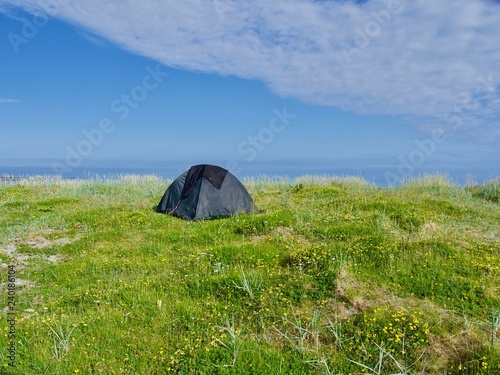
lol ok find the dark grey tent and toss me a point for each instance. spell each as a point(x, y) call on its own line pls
point(204, 192)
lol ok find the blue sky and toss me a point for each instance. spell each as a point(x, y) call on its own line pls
point(405, 86)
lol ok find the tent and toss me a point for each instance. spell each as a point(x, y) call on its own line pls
point(205, 192)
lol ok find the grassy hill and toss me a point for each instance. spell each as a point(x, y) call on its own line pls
point(333, 276)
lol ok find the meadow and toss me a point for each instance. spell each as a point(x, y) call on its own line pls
point(331, 276)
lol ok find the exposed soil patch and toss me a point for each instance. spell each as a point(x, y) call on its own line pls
point(57, 258)
point(24, 283)
point(36, 242)
point(8, 250)
point(20, 259)
point(40, 242)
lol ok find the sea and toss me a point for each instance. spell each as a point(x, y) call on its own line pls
point(380, 174)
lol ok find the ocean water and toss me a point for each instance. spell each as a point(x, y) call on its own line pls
point(382, 175)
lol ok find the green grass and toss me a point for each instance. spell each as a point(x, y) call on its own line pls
point(489, 191)
point(332, 276)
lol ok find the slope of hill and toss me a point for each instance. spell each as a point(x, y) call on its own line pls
point(333, 276)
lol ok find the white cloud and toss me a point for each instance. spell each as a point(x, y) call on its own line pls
point(397, 57)
point(8, 101)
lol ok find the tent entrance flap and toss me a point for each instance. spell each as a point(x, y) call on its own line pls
point(212, 173)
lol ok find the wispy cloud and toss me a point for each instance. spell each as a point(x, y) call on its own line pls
point(396, 57)
point(8, 101)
